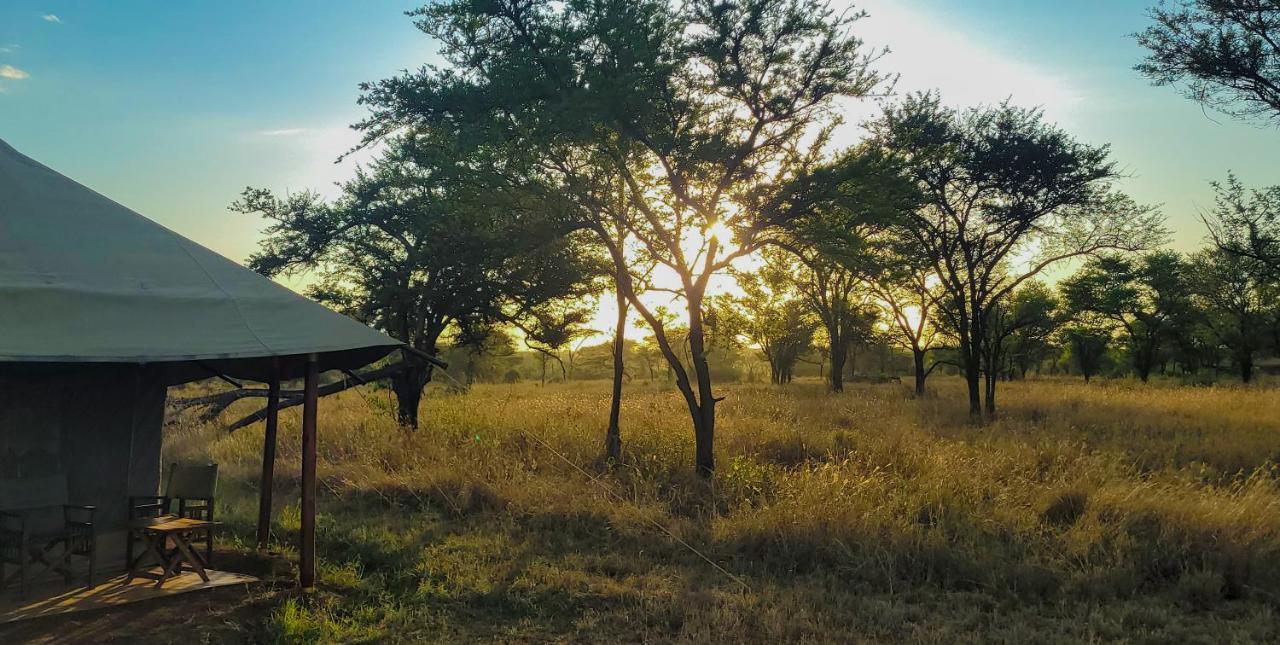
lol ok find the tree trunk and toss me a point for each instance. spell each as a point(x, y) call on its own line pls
point(1246, 367)
point(613, 436)
point(973, 378)
point(1145, 360)
point(990, 399)
point(990, 377)
point(837, 356)
point(917, 358)
point(407, 386)
point(704, 429)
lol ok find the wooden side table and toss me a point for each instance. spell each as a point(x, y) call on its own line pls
point(168, 540)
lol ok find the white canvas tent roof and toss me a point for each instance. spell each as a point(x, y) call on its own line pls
point(86, 280)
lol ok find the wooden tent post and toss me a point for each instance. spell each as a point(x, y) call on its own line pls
point(307, 550)
point(269, 456)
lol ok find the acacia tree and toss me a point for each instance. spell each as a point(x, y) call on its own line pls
point(998, 183)
point(842, 210)
point(1239, 304)
point(1148, 297)
point(905, 286)
point(1030, 345)
point(479, 344)
point(1026, 316)
point(1086, 344)
point(1226, 53)
point(833, 293)
point(550, 330)
point(702, 109)
point(773, 317)
point(413, 251)
point(1246, 222)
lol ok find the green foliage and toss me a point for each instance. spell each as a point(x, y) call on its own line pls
point(663, 127)
point(412, 250)
point(1148, 298)
point(772, 317)
point(1086, 344)
point(415, 248)
point(1239, 303)
point(1224, 53)
point(996, 183)
point(1021, 330)
point(1246, 223)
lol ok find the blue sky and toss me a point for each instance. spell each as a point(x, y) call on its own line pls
point(172, 108)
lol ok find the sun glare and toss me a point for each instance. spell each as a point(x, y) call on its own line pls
point(720, 233)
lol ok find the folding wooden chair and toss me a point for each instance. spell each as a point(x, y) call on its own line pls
point(36, 519)
point(193, 488)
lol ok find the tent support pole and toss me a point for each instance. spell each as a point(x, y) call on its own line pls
point(307, 550)
point(269, 456)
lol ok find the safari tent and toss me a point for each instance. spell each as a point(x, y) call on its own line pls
point(102, 309)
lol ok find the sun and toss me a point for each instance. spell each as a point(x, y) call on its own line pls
point(719, 232)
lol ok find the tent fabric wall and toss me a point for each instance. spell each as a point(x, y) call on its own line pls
point(97, 426)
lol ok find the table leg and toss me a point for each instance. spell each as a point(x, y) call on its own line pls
point(152, 548)
point(194, 560)
point(175, 562)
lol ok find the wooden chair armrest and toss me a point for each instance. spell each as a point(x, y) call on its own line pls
point(138, 503)
point(13, 522)
point(78, 509)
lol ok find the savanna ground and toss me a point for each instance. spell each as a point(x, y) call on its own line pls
point(1103, 512)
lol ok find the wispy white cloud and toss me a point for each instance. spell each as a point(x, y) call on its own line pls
point(285, 132)
point(933, 54)
point(12, 73)
point(308, 154)
point(49, 17)
point(8, 49)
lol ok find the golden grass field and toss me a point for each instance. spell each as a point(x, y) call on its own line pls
point(1105, 512)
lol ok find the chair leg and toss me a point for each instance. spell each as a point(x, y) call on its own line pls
point(66, 562)
point(93, 561)
point(22, 567)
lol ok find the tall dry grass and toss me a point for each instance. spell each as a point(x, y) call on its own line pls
point(1094, 512)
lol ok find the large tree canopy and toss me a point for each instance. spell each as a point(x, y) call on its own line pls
point(696, 113)
point(772, 316)
point(413, 249)
point(1224, 53)
point(1147, 297)
point(1004, 196)
point(1239, 302)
